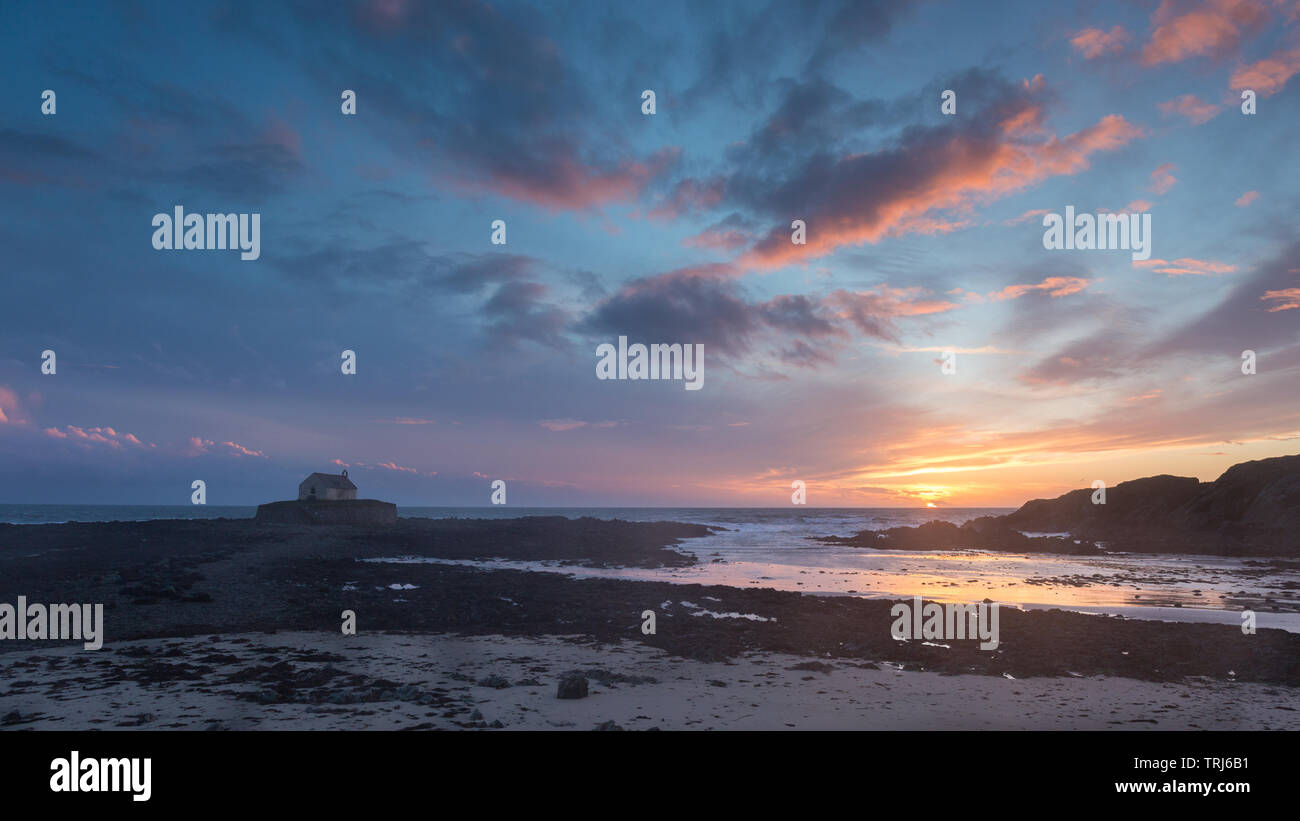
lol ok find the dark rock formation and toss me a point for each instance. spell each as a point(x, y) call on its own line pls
point(1252, 509)
point(984, 533)
point(338, 512)
point(571, 686)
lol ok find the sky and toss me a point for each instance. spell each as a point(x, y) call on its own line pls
point(823, 362)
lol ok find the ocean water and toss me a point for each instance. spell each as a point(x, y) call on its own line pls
point(770, 521)
point(771, 547)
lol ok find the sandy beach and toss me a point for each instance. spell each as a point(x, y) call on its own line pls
point(303, 680)
point(235, 624)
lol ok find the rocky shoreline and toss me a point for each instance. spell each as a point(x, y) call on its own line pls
point(168, 579)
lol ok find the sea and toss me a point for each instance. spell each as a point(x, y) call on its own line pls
point(776, 548)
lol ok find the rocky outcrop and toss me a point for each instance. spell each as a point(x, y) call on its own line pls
point(984, 533)
point(348, 512)
point(1252, 509)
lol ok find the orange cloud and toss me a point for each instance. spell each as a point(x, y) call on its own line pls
point(1093, 43)
point(885, 303)
point(1191, 107)
point(1186, 265)
point(1286, 299)
point(1268, 76)
point(1052, 286)
point(1213, 28)
point(1247, 198)
point(965, 171)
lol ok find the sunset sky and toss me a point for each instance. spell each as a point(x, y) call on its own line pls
point(478, 361)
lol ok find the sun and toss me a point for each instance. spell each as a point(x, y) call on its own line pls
point(930, 504)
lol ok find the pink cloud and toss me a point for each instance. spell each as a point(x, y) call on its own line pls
point(402, 469)
point(197, 446)
point(8, 406)
point(1162, 179)
point(1093, 43)
point(1247, 198)
point(721, 239)
point(869, 308)
point(1268, 76)
point(1191, 107)
point(1213, 28)
point(100, 435)
point(237, 448)
point(1286, 299)
point(1185, 266)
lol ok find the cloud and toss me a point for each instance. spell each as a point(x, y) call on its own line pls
point(559, 425)
point(1242, 319)
point(687, 305)
point(517, 311)
point(1185, 265)
point(1026, 217)
point(729, 234)
point(1285, 299)
point(916, 185)
point(1093, 43)
point(9, 409)
point(489, 101)
point(1268, 76)
point(1162, 179)
point(706, 305)
point(197, 446)
point(1247, 198)
point(240, 449)
point(98, 435)
point(1191, 107)
point(1052, 286)
point(556, 178)
point(1213, 28)
point(688, 196)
